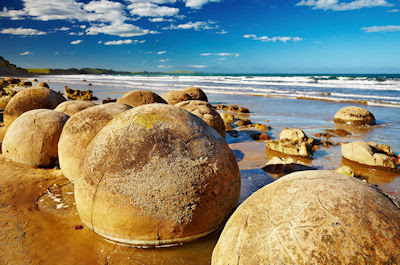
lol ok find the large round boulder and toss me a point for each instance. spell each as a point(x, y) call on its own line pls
point(79, 131)
point(72, 107)
point(206, 112)
point(29, 99)
point(157, 175)
point(355, 115)
point(175, 96)
point(312, 217)
point(196, 93)
point(140, 97)
point(32, 138)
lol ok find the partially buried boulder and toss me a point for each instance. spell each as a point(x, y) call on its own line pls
point(140, 97)
point(355, 115)
point(157, 175)
point(292, 142)
point(369, 154)
point(71, 107)
point(206, 112)
point(175, 96)
point(42, 84)
point(32, 138)
point(29, 99)
point(312, 217)
point(277, 165)
point(79, 131)
point(196, 93)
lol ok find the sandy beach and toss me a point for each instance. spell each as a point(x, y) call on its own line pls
point(41, 224)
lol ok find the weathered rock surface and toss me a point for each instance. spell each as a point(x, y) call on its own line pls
point(292, 142)
point(157, 175)
point(79, 131)
point(312, 217)
point(32, 138)
point(175, 96)
point(140, 97)
point(206, 112)
point(368, 154)
point(29, 99)
point(71, 107)
point(196, 93)
point(355, 115)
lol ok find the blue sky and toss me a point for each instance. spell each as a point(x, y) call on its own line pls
point(216, 36)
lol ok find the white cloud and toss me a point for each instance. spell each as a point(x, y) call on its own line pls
point(82, 26)
point(119, 29)
point(63, 28)
point(75, 42)
point(198, 66)
point(393, 11)
point(99, 42)
point(139, 41)
point(12, 14)
point(335, 5)
point(222, 32)
point(196, 4)
point(223, 54)
point(381, 28)
point(272, 39)
point(160, 19)
point(164, 60)
point(26, 53)
point(199, 25)
point(161, 52)
point(76, 33)
point(152, 10)
point(22, 31)
point(118, 42)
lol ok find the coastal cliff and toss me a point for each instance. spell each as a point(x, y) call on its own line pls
point(7, 68)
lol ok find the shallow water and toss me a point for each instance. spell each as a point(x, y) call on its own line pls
point(51, 234)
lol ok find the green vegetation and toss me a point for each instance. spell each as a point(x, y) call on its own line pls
point(38, 71)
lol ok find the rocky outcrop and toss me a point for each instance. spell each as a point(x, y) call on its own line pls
point(370, 154)
point(292, 142)
point(7, 68)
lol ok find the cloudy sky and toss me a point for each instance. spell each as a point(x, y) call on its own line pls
point(217, 36)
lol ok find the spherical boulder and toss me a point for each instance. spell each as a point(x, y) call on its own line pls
point(206, 112)
point(312, 217)
point(71, 107)
point(79, 131)
point(196, 93)
point(355, 115)
point(32, 138)
point(140, 97)
point(29, 99)
point(157, 175)
point(42, 84)
point(175, 96)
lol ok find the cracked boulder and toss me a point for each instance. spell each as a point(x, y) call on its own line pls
point(32, 138)
point(30, 99)
point(312, 217)
point(79, 131)
point(354, 115)
point(292, 142)
point(140, 97)
point(175, 96)
point(157, 175)
point(72, 107)
point(369, 154)
point(206, 112)
point(196, 93)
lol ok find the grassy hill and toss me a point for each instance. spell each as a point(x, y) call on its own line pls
point(9, 69)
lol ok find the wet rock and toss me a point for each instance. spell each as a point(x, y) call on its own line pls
point(29, 99)
point(243, 110)
point(76, 94)
point(231, 108)
point(165, 178)
point(32, 138)
point(345, 170)
point(277, 165)
point(233, 133)
point(338, 132)
point(12, 80)
point(220, 106)
point(25, 83)
point(261, 127)
point(292, 142)
point(108, 100)
point(71, 107)
point(42, 84)
point(3, 83)
point(196, 93)
point(355, 115)
point(140, 97)
point(243, 122)
point(175, 96)
point(297, 218)
point(260, 136)
point(364, 153)
point(79, 131)
point(205, 111)
point(228, 118)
